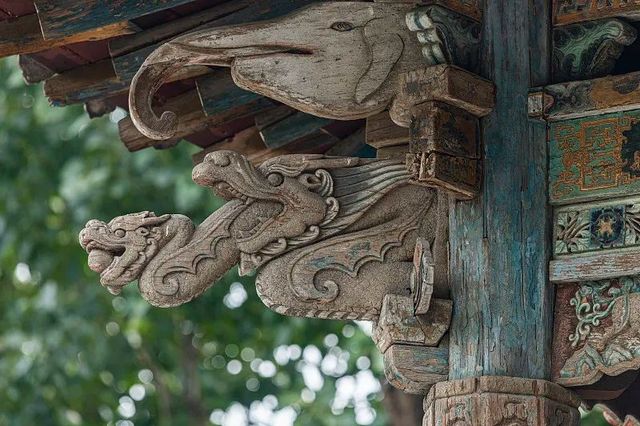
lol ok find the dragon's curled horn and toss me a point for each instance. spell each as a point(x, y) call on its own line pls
point(150, 219)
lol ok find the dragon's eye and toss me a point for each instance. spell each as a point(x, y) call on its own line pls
point(143, 231)
point(275, 179)
point(342, 26)
point(119, 233)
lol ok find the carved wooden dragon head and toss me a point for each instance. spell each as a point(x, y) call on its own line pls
point(121, 249)
point(298, 218)
point(339, 60)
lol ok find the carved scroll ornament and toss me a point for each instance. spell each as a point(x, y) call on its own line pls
point(606, 339)
point(330, 236)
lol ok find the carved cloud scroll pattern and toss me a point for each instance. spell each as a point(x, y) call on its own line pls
point(607, 332)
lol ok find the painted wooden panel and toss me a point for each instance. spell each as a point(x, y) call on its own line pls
point(592, 97)
point(570, 11)
point(594, 158)
point(595, 227)
point(60, 18)
point(589, 49)
point(597, 331)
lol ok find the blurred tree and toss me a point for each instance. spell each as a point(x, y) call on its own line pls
point(72, 354)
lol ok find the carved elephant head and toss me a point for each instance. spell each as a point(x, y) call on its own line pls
point(339, 60)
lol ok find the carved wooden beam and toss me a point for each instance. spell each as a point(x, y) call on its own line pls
point(446, 37)
point(357, 50)
point(410, 332)
point(500, 401)
point(348, 69)
point(586, 98)
point(414, 355)
point(597, 330)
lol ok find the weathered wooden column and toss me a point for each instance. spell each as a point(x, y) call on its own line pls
point(501, 333)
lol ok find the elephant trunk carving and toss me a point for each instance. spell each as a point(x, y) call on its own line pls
point(329, 236)
point(339, 60)
point(209, 47)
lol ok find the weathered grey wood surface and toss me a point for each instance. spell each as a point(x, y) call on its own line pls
point(331, 237)
point(339, 60)
point(470, 8)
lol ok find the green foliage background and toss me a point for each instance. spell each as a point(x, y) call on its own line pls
point(72, 354)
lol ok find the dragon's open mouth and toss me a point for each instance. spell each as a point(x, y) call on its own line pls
point(101, 256)
point(228, 192)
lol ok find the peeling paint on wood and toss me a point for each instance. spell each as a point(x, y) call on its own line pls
point(499, 241)
point(592, 97)
point(595, 266)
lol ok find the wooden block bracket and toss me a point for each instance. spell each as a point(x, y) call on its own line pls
point(442, 106)
point(411, 330)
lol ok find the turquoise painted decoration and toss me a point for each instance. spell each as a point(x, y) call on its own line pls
point(580, 229)
point(595, 157)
